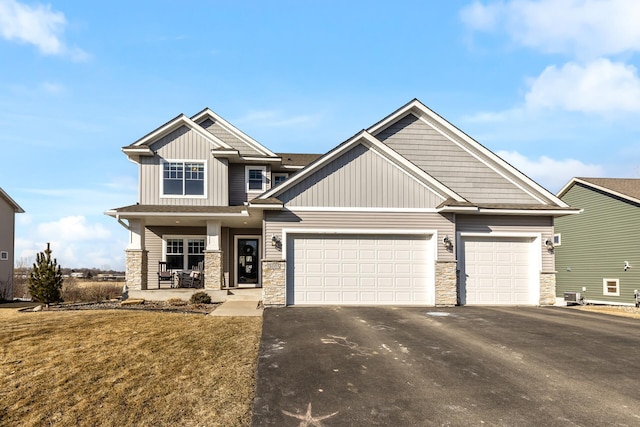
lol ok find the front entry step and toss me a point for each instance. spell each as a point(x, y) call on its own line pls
point(246, 294)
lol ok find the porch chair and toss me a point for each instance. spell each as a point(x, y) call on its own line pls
point(164, 275)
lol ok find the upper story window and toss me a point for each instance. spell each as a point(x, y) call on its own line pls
point(255, 178)
point(183, 178)
point(279, 177)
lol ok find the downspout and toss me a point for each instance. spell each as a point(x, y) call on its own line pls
point(122, 223)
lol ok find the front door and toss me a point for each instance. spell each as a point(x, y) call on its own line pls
point(248, 260)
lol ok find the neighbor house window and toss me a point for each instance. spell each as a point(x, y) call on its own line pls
point(557, 239)
point(611, 287)
point(255, 178)
point(183, 179)
point(279, 177)
point(4, 256)
point(184, 253)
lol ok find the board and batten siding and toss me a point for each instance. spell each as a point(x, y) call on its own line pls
point(238, 184)
point(449, 163)
point(386, 222)
point(183, 144)
point(596, 243)
point(542, 225)
point(229, 138)
point(360, 178)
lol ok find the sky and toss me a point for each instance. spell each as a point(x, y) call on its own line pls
point(552, 86)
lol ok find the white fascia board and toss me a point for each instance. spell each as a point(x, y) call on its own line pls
point(225, 153)
point(262, 159)
point(526, 212)
point(174, 124)
point(234, 131)
point(568, 185)
point(420, 110)
point(372, 141)
point(141, 151)
point(16, 207)
point(458, 209)
point(348, 209)
point(170, 214)
point(603, 189)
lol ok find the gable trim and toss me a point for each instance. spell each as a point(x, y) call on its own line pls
point(208, 113)
point(16, 207)
point(174, 124)
point(574, 181)
point(421, 111)
point(370, 142)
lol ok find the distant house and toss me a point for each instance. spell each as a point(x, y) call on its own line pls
point(411, 211)
point(598, 251)
point(8, 209)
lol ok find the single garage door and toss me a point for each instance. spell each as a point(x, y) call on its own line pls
point(359, 269)
point(496, 271)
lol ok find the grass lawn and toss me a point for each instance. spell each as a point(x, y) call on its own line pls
point(117, 368)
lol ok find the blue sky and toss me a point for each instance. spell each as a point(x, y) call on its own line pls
point(550, 85)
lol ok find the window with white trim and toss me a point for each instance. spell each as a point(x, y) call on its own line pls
point(184, 253)
point(279, 177)
point(255, 177)
point(183, 178)
point(557, 239)
point(611, 287)
point(4, 256)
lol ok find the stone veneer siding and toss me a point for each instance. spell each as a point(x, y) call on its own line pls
point(274, 278)
point(213, 269)
point(137, 272)
point(547, 288)
point(446, 283)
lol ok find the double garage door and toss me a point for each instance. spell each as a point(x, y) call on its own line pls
point(359, 269)
point(497, 271)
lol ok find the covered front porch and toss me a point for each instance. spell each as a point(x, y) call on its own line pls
point(192, 248)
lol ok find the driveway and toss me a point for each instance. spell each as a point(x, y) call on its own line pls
point(361, 366)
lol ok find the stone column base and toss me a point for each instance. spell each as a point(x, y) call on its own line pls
point(137, 269)
point(213, 270)
point(446, 283)
point(547, 288)
point(274, 282)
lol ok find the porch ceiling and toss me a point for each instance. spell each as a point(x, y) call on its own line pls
point(229, 216)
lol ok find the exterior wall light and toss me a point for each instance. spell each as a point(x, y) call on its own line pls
point(549, 244)
point(448, 244)
point(275, 241)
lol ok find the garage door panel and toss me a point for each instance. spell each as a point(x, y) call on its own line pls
point(497, 270)
point(370, 270)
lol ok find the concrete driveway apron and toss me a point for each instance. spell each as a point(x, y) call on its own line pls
point(361, 366)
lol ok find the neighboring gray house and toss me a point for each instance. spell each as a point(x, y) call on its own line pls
point(597, 252)
point(411, 211)
point(8, 209)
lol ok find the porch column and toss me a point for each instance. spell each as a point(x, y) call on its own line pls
point(213, 257)
point(136, 257)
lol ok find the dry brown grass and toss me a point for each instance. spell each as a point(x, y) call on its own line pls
point(114, 368)
point(615, 310)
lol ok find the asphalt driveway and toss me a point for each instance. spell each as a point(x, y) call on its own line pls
point(458, 366)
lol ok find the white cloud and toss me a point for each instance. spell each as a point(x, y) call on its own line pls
point(37, 25)
point(600, 86)
point(72, 228)
point(550, 173)
point(586, 28)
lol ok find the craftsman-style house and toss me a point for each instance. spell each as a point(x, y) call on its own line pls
point(410, 211)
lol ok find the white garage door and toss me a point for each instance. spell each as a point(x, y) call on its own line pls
point(496, 271)
point(362, 269)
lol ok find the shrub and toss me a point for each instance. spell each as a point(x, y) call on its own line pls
point(45, 280)
point(200, 298)
point(176, 301)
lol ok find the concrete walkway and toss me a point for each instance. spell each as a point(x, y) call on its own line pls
point(238, 308)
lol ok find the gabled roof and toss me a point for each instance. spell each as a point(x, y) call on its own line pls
point(626, 188)
point(16, 207)
point(470, 145)
point(141, 146)
point(209, 114)
point(298, 159)
point(365, 137)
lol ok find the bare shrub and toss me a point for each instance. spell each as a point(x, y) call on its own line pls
point(73, 292)
point(176, 301)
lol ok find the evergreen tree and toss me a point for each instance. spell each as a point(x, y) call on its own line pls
point(45, 280)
